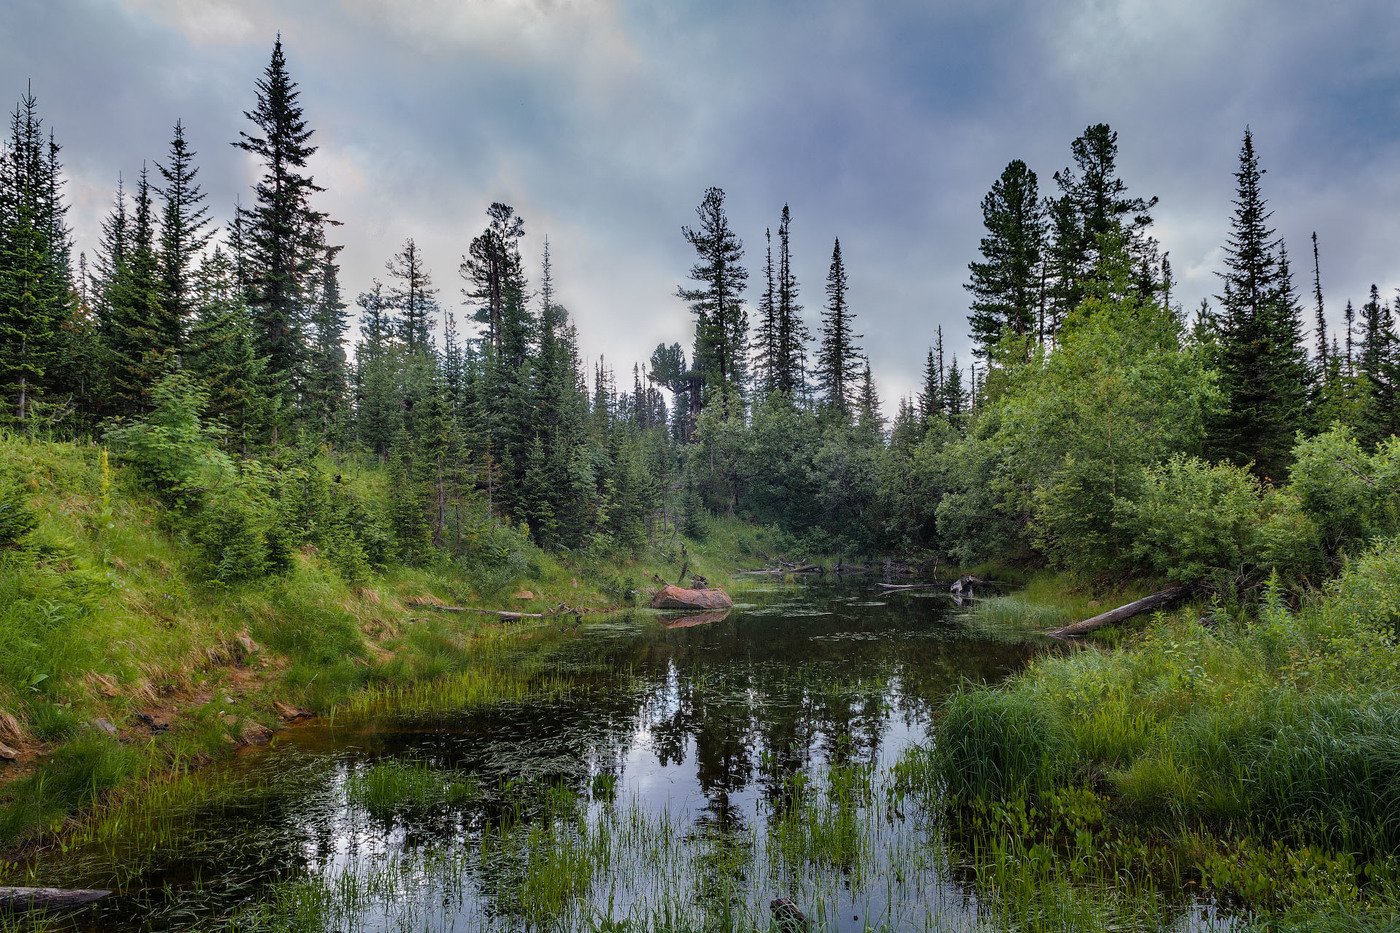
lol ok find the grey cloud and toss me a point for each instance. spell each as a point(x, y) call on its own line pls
point(884, 124)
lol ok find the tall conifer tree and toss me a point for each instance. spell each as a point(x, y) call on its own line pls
point(281, 226)
point(838, 357)
point(1263, 367)
point(183, 235)
point(1006, 282)
point(717, 301)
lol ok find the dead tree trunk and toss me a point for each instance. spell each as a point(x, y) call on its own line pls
point(1146, 604)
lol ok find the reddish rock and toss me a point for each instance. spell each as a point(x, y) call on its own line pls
point(677, 597)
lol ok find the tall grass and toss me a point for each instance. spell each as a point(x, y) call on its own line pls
point(1284, 728)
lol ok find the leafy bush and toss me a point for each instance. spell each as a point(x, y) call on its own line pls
point(173, 452)
point(1192, 520)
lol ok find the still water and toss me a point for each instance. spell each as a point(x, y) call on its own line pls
point(680, 778)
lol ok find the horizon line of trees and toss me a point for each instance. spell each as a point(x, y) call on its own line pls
point(1071, 316)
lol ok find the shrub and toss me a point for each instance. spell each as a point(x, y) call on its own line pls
point(1192, 520)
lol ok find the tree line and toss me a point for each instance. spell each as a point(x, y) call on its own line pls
point(1089, 390)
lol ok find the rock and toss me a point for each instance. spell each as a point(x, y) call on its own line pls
point(676, 597)
point(103, 725)
point(7, 753)
point(254, 733)
point(524, 594)
point(155, 724)
point(788, 916)
point(288, 713)
point(245, 641)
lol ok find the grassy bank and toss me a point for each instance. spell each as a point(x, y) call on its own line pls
point(1264, 753)
point(122, 658)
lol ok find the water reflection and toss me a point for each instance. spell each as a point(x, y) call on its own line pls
point(709, 716)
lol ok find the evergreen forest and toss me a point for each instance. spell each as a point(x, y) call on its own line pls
point(233, 495)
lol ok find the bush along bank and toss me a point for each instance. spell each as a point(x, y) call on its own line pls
point(161, 604)
point(1259, 759)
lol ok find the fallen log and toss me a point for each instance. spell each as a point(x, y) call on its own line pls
point(896, 587)
point(501, 613)
point(1146, 604)
point(31, 898)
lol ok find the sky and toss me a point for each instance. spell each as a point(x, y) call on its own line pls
point(882, 123)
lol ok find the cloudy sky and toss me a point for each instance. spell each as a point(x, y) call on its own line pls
point(883, 123)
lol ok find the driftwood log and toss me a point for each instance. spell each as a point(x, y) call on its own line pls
point(1146, 604)
point(499, 613)
point(31, 898)
point(897, 587)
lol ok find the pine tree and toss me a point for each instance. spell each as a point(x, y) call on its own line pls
point(134, 343)
point(35, 286)
point(328, 380)
point(1263, 367)
point(221, 357)
point(281, 226)
point(838, 357)
point(1006, 283)
point(1376, 368)
point(791, 335)
point(413, 297)
point(491, 268)
point(721, 325)
point(1093, 202)
point(183, 236)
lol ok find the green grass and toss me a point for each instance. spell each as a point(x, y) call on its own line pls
point(391, 787)
point(1044, 601)
point(1285, 728)
point(106, 613)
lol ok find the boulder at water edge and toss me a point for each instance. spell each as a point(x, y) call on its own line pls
point(678, 597)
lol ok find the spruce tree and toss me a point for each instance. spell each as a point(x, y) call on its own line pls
point(1320, 363)
point(35, 281)
point(871, 419)
point(721, 322)
point(134, 343)
point(220, 354)
point(1092, 203)
point(791, 335)
point(413, 297)
point(281, 226)
point(378, 410)
point(838, 357)
point(1006, 283)
point(1262, 364)
point(327, 381)
point(183, 236)
point(767, 353)
point(1376, 368)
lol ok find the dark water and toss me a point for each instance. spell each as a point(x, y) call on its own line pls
point(704, 722)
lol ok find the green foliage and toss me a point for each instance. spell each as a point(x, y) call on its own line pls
point(1286, 727)
point(1193, 521)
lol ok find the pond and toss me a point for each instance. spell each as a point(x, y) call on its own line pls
point(668, 772)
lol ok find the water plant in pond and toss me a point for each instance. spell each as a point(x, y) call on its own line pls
point(386, 788)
